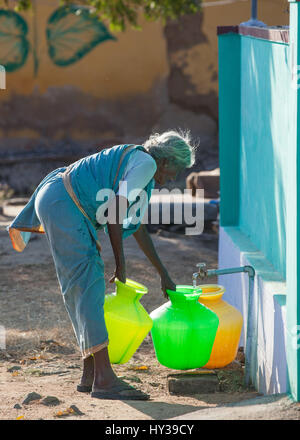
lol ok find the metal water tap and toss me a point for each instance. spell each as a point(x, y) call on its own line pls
point(205, 273)
point(202, 273)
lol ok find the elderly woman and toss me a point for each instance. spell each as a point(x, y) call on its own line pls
point(67, 207)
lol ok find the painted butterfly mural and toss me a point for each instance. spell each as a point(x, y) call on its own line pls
point(72, 32)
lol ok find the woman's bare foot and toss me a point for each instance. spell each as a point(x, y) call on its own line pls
point(104, 376)
point(107, 385)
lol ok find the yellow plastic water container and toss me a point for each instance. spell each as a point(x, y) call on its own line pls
point(230, 325)
point(126, 320)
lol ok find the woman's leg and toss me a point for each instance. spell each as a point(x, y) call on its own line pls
point(87, 378)
point(97, 370)
point(107, 385)
point(104, 376)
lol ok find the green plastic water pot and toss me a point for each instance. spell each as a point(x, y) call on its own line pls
point(184, 330)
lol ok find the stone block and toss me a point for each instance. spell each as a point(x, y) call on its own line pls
point(187, 384)
point(207, 180)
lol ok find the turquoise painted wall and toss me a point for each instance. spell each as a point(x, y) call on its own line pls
point(254, 84)
point(293, 217)
point(264, 143)
point(259, 141)
point(229, 48)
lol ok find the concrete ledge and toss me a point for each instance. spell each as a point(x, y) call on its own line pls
point(277, 34)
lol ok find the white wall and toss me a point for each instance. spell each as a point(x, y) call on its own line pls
point(268, 359)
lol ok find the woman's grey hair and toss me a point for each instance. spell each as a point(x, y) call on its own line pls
point(172, 145)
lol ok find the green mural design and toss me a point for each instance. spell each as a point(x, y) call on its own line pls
point(14, 46)
point(71, 33)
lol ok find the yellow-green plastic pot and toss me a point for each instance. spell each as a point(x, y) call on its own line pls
point(126, 320)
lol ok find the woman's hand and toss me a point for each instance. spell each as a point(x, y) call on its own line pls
point(144, 241)
point(167, 283)
point(120, 274)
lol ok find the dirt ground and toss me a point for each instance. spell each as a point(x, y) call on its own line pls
point(42, 356)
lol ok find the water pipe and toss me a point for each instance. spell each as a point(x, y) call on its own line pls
point(203, 272)
point(253, 20)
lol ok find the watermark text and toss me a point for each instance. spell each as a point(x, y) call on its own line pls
point(167, 207)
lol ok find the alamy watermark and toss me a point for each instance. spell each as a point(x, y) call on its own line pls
point(169, 207)
point(2, 78)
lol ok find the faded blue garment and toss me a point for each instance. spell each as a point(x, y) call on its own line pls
point(88, 176)
point(86, 189)
point(79, 266)
point(27, 221)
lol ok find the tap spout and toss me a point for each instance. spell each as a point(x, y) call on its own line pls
point(202, 271)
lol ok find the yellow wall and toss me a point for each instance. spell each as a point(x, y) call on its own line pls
point(131, 64)
point(198, 65)
point(135, 67)
point(202, 56)
point(127, 66)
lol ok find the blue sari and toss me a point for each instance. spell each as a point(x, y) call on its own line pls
point(72, 237)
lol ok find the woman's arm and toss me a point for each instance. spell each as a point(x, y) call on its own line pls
point(144, 241)
point(116, 240)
